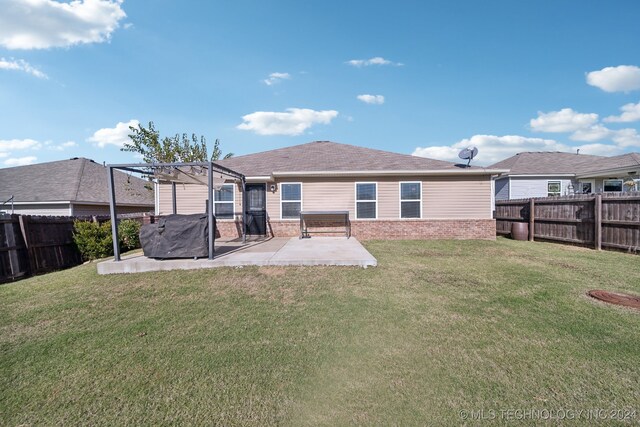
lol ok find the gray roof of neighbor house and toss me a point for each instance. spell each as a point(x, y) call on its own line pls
point(332, 157)
point(75, 180)
point(550, 163)
point(629, 160)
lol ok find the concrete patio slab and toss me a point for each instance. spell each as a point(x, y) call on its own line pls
point(264, 252)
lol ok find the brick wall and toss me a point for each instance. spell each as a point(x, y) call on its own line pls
point(385, 229)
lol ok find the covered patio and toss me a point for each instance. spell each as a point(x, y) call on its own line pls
point(276, 251)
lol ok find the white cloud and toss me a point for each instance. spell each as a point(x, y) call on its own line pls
point(20, 161)
point(60, 147)
point(599, 149)
point(592, 133)
point(565, 120)
point(292, 122)
point(18, 144)
point(622, 78)
point(4, 155)
point(21, 65)
point(117, 135)
point(378, 60)
point(626, 138)
point(491, 148)
point(371, 99)
point(276, 78)
point(42, 24)
point(630, 113)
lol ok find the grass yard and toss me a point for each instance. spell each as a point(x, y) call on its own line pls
point(437, 328)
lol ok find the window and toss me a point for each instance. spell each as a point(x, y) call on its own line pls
point(410, 199)
point(366, 200)
point(612, 185)
point(554, 188)
point(224, 200)
point(585, 188)
point(290, 200)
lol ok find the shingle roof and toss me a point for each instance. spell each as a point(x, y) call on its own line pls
point(329, 156)
point(549, 163)
point(629, 160)
point(75, 180)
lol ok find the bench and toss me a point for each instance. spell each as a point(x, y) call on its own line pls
point(324, 219)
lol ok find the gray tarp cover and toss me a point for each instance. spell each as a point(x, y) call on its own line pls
point(176, 236)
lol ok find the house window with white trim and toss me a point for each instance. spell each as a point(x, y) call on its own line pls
point(410, 199)
point(290, 200)
point(554, 188)
point(611, 185)
point(366, 200)
point(224, 201)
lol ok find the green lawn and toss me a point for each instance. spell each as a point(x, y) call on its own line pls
point(436, 328)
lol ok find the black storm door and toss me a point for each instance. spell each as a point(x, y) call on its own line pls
point(256, 209)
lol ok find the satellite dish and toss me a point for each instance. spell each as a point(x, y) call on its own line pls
point(468, 154)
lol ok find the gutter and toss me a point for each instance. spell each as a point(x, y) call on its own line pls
point(437, 172)
point(537, 175)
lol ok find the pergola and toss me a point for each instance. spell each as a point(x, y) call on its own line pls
point(202, 173)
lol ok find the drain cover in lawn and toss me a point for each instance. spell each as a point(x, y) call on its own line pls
point(616, 298)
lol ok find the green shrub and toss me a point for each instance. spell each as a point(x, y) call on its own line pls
point(129, 234)
point(93, 240)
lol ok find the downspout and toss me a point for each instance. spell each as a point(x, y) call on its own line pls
point(244, 209)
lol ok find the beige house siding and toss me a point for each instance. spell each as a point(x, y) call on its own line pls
point(447, 197)
point(190, 199)
point(457, 198)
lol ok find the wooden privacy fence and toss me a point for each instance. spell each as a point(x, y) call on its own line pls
point(39, 244)
point(34, 245)
point(608, 220)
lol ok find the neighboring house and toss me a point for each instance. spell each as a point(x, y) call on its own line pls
point(75, 187)
point(544, 174)
point(387, 195)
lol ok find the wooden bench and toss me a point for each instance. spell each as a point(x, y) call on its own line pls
point(324, 219)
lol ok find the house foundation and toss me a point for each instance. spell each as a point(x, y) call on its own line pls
point(423, 229)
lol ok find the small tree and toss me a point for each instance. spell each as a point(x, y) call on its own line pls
point(179, 148)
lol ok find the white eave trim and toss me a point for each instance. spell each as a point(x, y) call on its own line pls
point(56, 202)
point(437, 172)
point(66, 202)
point(538, 175)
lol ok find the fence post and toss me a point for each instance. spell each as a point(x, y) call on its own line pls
point(597, 216)
point(532, 211)
point(24, 229)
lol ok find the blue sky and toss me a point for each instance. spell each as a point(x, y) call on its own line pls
point(415, 77)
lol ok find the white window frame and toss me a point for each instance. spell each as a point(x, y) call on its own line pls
point(554, 181)
point(282, 192)
point(355, 189)
point(409, 200)
point(621, 181)
point(233, 211)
